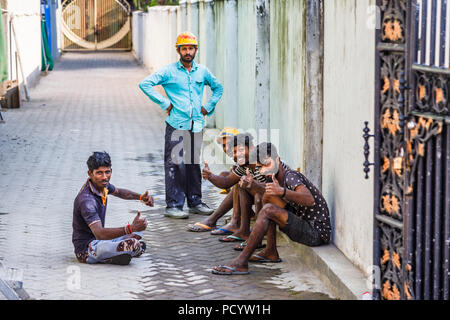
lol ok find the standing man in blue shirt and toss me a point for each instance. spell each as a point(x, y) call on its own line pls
point(183, 83)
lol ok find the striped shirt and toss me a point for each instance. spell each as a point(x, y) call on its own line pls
point(241, 171)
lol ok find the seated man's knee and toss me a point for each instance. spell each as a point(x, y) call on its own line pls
point(268, 211)
point(131, 244)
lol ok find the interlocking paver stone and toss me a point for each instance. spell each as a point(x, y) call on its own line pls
point(91, 102)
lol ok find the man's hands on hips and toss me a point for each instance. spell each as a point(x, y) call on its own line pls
point(169, 109)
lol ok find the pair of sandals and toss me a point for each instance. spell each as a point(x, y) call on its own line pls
point(229, 237)
point(200, 227)
point(228, 270)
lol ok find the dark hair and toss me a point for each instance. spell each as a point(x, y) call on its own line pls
point(242, 139)
point(263, 151)
point(97, 160)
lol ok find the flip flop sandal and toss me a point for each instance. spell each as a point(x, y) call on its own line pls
point(242, 246)
point(143, 247)
point(121, 259)
point(258, 259)
point(221, 232)
point(233, 271)
point(199, 227)
point(231, 239)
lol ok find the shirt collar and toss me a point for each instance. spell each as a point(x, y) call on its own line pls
point(180, 65)
point(93, 189)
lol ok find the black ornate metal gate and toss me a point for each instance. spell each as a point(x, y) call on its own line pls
point(412, 150)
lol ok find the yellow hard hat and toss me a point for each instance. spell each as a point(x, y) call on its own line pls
point(186, 38)
point(227, 132)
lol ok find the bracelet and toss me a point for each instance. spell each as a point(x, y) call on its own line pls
point(140, 197)
point(284, 193)
point(128, 229)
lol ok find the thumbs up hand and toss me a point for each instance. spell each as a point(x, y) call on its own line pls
point(206, 172)
point(246, 180)
point(275, 180)
point(147, 199)
point(274, 188)
point(139, 224)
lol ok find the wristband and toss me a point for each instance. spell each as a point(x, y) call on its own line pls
point(129, 229)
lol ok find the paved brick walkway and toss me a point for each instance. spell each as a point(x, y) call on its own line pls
point(91, 102)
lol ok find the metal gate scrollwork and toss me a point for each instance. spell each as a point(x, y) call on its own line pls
point(412, 142)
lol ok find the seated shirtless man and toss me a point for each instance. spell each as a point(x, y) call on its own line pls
point(292, 202)
point(93, 242)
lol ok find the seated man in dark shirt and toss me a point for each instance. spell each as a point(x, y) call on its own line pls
point(292, 202)
point(93, 242)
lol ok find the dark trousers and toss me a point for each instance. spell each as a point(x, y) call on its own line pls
point(182, 167)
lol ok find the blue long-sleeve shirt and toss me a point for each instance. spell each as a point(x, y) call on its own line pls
point(185, 92)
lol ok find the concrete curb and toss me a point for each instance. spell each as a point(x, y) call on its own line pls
point(328, 263)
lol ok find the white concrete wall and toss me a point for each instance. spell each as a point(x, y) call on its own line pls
point(207, 47)
point(58, 28)
point(137, 35)
point(246, 63)
point(287, 78)
point(227, 67)
point(155, 32)
point(349, 73)
point(27, 23)
point(193, 16)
